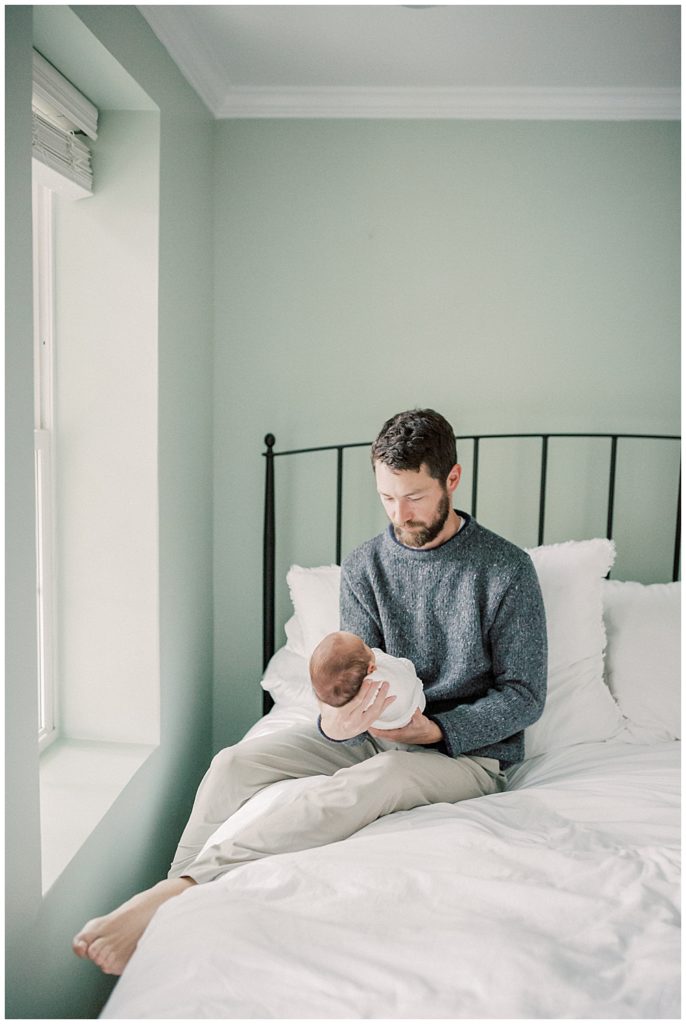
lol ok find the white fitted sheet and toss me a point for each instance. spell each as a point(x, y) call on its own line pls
point(557, 898)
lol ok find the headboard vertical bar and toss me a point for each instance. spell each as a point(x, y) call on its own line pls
point(677, 536)
point(475, 475)
point(544, 480)
point(339, 503)
point(269, 558)
point(611, 490)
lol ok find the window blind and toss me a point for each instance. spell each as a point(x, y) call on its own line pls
point(61, 117)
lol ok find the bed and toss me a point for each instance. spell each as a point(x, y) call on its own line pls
point(557, 898)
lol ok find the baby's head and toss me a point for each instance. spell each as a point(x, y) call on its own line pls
point(338, 667)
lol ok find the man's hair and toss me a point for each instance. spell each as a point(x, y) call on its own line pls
point(415, 438)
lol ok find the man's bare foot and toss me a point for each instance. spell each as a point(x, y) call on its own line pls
point(110, 941)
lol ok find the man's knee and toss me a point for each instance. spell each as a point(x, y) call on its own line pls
point(243, 751)
point(227, 762)
point(223, 758)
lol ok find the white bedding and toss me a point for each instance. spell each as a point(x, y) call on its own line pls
point(554, 899)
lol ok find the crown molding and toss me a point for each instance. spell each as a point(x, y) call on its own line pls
point(193, 58)
point(589, 104)
point(208, 76)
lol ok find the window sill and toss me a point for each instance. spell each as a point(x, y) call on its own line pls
point(79, 782)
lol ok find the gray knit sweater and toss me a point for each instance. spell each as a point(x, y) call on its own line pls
point(469, 614)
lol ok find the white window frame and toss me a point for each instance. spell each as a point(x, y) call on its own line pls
point(60, 162)
point(46, 584)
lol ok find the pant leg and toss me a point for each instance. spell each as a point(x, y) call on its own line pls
point(238, 772)
point(344, 802)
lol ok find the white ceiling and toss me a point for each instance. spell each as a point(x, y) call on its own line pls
point(437, 61)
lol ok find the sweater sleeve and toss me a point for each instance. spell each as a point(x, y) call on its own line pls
point(358, 609)
point(517, 690)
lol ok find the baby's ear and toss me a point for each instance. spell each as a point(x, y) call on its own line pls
point(371, 667)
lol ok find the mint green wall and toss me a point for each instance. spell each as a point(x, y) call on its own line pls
point(132, 846)
point(515, 275)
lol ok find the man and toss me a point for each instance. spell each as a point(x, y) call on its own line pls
point(460, 602)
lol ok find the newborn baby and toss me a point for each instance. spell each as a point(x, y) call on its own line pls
point(342, 661)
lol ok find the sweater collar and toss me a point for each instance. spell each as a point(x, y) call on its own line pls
point(444, 550)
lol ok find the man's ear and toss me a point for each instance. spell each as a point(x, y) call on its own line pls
point(453, 478)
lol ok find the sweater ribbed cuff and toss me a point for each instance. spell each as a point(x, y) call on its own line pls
point(442, 745)
point(354, 741)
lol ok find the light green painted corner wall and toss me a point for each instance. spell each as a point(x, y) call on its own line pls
point(514, 275)
point(133, 844)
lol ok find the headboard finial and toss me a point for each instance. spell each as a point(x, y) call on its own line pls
point(270, 440)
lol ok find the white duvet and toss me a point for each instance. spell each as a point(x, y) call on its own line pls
point(554, 899)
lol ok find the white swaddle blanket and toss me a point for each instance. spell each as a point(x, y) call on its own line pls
point(405, 686)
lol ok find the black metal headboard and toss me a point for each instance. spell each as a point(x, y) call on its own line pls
point(268, 631)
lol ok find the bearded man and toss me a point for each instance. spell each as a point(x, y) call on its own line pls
point(461, 603)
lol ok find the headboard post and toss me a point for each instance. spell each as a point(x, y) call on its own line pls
point(475, 475)
point(339, 502)
point(611, 488)
point(544, 481)
point(268, 577)
point(677, 535)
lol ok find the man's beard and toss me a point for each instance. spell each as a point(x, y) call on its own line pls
point(416, 535)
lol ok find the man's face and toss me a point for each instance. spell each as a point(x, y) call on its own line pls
point(416, 503)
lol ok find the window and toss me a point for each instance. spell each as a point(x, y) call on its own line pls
point(96, 386)
point(61, 164)
point(43, 453)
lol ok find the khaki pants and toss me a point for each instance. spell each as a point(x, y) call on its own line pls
point(358, 784)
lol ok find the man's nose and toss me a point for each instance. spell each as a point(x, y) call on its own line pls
point(402, 512)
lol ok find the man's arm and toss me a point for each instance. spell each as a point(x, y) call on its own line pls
point(420, 729)
point(359, 613)
point(357, 616)
point(516, 695)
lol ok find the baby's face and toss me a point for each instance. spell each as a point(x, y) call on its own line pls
point(369, 655)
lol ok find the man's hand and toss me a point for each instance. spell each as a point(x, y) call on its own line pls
point(355, 717)
point(419, 729)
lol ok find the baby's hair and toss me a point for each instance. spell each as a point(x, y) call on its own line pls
point(347, 685)
point(339, 674)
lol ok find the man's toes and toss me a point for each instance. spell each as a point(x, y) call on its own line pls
point(97, 952)
point(113, 966)
point(80, 947)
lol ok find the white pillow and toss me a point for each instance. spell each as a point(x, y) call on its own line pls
point(294, 636)
point(287, 679)
point(579, 708)
point(642, 662)
point(315, 597)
